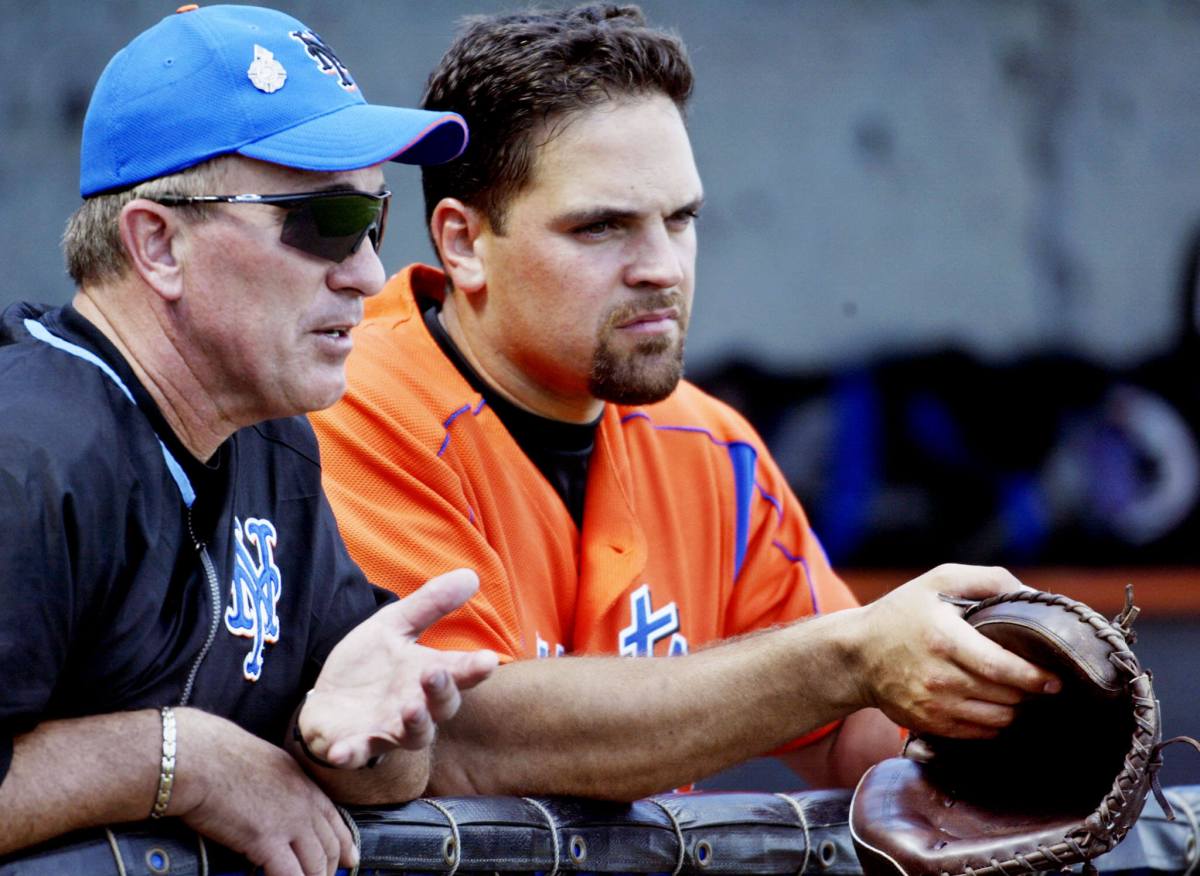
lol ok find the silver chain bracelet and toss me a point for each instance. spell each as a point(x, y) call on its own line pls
point(166, 771)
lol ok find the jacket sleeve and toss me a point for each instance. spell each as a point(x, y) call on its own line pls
point(343, 597)
point(40, 555)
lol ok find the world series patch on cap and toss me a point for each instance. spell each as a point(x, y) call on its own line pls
point(217, 80)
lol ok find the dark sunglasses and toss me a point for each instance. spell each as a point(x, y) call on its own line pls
point(331, 225)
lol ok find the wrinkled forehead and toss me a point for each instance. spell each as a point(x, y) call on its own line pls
point(626, 145)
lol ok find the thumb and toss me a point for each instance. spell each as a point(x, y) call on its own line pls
point(433, 600)
point(974, 582)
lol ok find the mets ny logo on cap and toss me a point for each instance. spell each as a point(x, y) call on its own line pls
point(327, 61)
point(268, 75)
point(254, 590)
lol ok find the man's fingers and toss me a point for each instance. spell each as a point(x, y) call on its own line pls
point(1000, 694)
point(434, 599)
point(984, 659)
point(278, 861)
point(320, 745)
point(335, 835)
point(311, 854)
point(988, 717)
point(418, 729)
point(961, 719)
point(442, 698)
point(472, 667)
point(967, 730)
point(345, 752)
point(957, 683)
point(344, 851)
point(323, 830)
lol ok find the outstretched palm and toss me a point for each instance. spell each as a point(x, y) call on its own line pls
point(380, 690)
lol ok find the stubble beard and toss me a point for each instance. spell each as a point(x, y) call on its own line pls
point(651, 370)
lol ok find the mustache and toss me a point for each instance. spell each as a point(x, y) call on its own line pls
point(647, 303)
point(352, 317)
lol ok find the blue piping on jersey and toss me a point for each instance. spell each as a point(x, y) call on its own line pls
point(446, 441)
point(744, 459)
point(812, 591)
point(744, 484)
point(791, 556)
point(44, 335)
point(454, 416)
point(778, 505)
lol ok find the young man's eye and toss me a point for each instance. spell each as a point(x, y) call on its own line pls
point(594, 229)
point(684, 218)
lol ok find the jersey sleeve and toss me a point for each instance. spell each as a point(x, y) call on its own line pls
point(406, 517)
point(784, 574)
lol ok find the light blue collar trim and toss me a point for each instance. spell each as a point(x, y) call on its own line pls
point(40, 332)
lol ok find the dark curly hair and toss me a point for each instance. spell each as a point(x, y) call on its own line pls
point(513, 76)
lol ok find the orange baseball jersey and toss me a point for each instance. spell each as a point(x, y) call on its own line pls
point(690, 532)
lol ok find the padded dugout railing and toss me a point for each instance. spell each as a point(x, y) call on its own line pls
point(703, 833)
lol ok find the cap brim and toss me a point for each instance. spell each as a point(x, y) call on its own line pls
point(362, 135)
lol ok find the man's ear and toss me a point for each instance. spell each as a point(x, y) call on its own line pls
point(456, 229)
point(149, 232)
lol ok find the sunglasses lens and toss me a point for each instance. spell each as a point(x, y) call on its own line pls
point(334, 227)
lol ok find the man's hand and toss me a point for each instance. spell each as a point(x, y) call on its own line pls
point(929, 670)
point(380, 690)
point(253, 797)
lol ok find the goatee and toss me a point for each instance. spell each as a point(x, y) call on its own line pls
point(652, 369)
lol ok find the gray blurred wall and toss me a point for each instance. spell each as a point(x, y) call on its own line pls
point(1009, 177)
point(881, 176)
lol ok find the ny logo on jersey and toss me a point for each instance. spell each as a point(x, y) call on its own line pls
point(254, 590)
point(326, 60)
point(648, 626)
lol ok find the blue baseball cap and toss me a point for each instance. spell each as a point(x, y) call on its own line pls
point(242, 79)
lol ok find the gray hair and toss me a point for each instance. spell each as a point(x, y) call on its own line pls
point(92, 239)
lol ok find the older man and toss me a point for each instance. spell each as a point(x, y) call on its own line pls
point(522, 413)
point(174, 580)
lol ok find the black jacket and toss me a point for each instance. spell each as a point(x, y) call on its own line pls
point(105, 601)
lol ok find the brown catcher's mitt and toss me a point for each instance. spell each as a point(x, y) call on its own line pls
point(1059, 786)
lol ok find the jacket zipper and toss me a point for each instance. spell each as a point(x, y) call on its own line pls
point(214, 590)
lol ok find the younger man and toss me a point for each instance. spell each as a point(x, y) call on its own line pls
point(522, 414)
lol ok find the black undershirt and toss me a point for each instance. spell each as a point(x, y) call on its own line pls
point(561, 451)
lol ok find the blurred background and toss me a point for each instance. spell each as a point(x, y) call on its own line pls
point(948, 263)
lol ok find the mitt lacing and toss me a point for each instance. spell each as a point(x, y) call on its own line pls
point(1111, 820)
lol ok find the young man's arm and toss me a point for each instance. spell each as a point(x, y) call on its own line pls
point(622, 728)
point(839, 759)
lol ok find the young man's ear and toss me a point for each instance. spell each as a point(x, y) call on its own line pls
point(149, 233)
point(456, 229)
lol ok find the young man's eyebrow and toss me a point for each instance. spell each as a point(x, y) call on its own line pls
point(591, 215)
